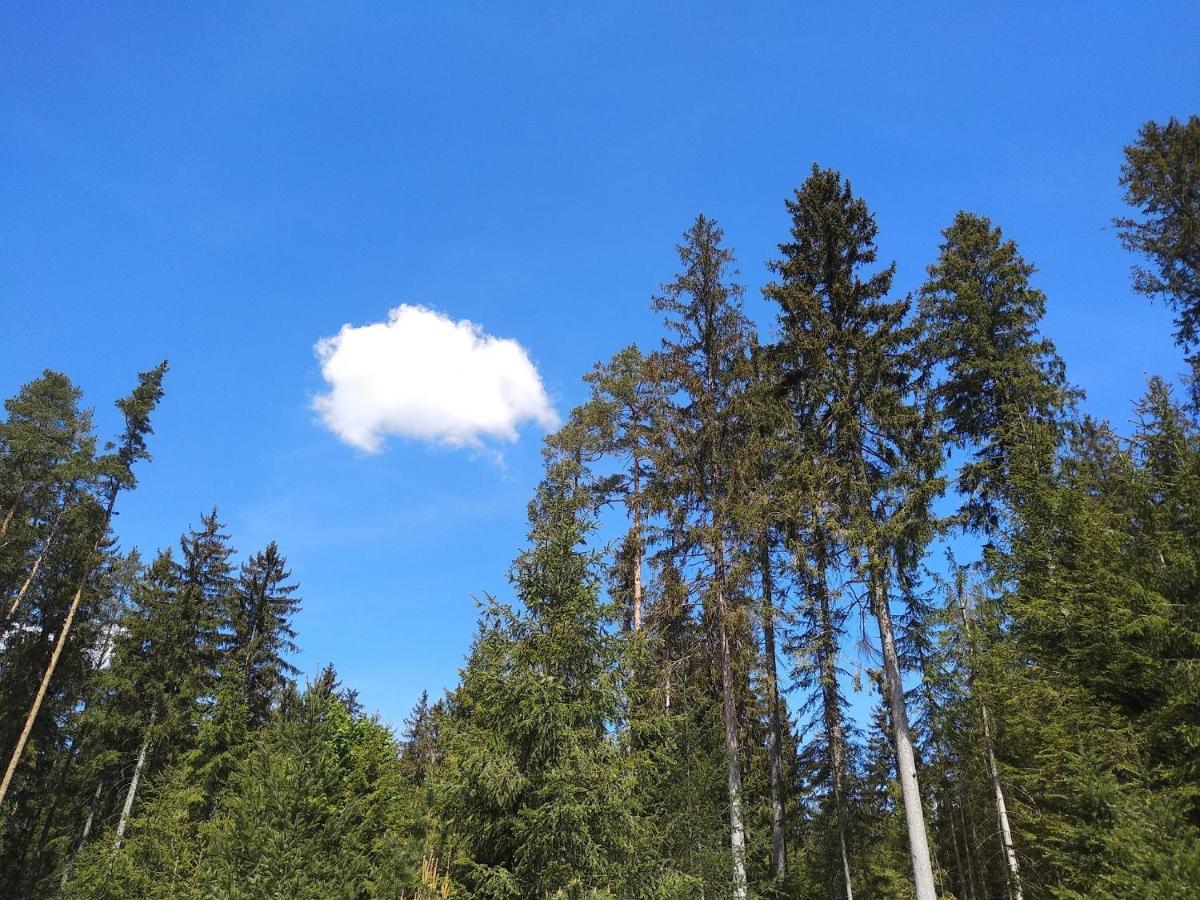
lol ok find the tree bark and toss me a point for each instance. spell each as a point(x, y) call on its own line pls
point(637, 546)
point(737, 826)
point(37, 564)
point(1012, 866)
point(906, 764)
point(775, 732)
point(8, 516)
point(832, 714)
point(83, 837)
point(123, 823)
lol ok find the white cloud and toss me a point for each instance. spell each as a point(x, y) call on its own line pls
point(422, 375)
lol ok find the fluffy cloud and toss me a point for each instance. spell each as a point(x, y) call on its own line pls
point(423, 375)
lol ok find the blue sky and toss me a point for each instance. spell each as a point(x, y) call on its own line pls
point(225, 184)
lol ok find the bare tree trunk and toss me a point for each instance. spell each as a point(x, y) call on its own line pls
point(775, 732)
point(970, 878)
point(1010, 853)
point(87, 830)
point(63, 636)
point(831, 712)
point(737, 826)
point(637, 546)
point(123, 823)
point(8, 516)
point(906, 763)
point(37, 564)
point(1012, 866)
point(960, 868)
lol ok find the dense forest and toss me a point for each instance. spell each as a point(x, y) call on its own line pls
point(669, 714)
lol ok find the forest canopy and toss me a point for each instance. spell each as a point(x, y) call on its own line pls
point(667, 715)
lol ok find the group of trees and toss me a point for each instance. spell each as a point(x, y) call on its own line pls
point(678, 712)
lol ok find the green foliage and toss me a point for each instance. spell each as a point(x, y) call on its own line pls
point(615, 735)
point(534, 791)
point(1161, 178)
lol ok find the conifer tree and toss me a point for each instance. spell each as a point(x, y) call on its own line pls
point(1002, 394)
point(1161, 178)
point(856, 352)
point(704, 366)
point(533, 789)
point(262, 635)
point(117, 469)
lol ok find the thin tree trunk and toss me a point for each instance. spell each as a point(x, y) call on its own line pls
point(83, 837)
point(8, 516)
point(1010, 853)
point(123, 823)
point(737, 826)
point(831, 711)
point(906, 764)
point(63, 636)
point(37, 564)
point(775, 733)
point(637, 546)
point(1012, 866)
point(971, 878)
point(960, 869)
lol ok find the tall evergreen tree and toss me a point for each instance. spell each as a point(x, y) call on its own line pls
point(857, 355)
point(1161, 178)
point(262, 638)
point(704, 366)
point(534, 791)
point(117, 470)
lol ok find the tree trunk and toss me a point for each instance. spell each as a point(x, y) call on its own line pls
point(63, 636)
point(906, 764)
point(123, 823)
point(775, 732)
point(87, 830)
point(1012, 866)
point(832, 714)
point(37, 564)
point(8, 516)
point(1013, 869)
point(637, 546)
point(737, 826)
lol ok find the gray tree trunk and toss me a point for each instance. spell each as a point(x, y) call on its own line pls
point(737, 826)
point(1012, 866)
point(775, 733)
point(906, 764)
point(87, 830)
point(637, 556)
point(131, 794)
point(832, 714)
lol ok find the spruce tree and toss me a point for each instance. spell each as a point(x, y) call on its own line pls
point(533, 788)
point(856, 353)
point(703, 366)
point(1161, 178)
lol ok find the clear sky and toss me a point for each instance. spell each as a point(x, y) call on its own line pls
point(225, 184)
